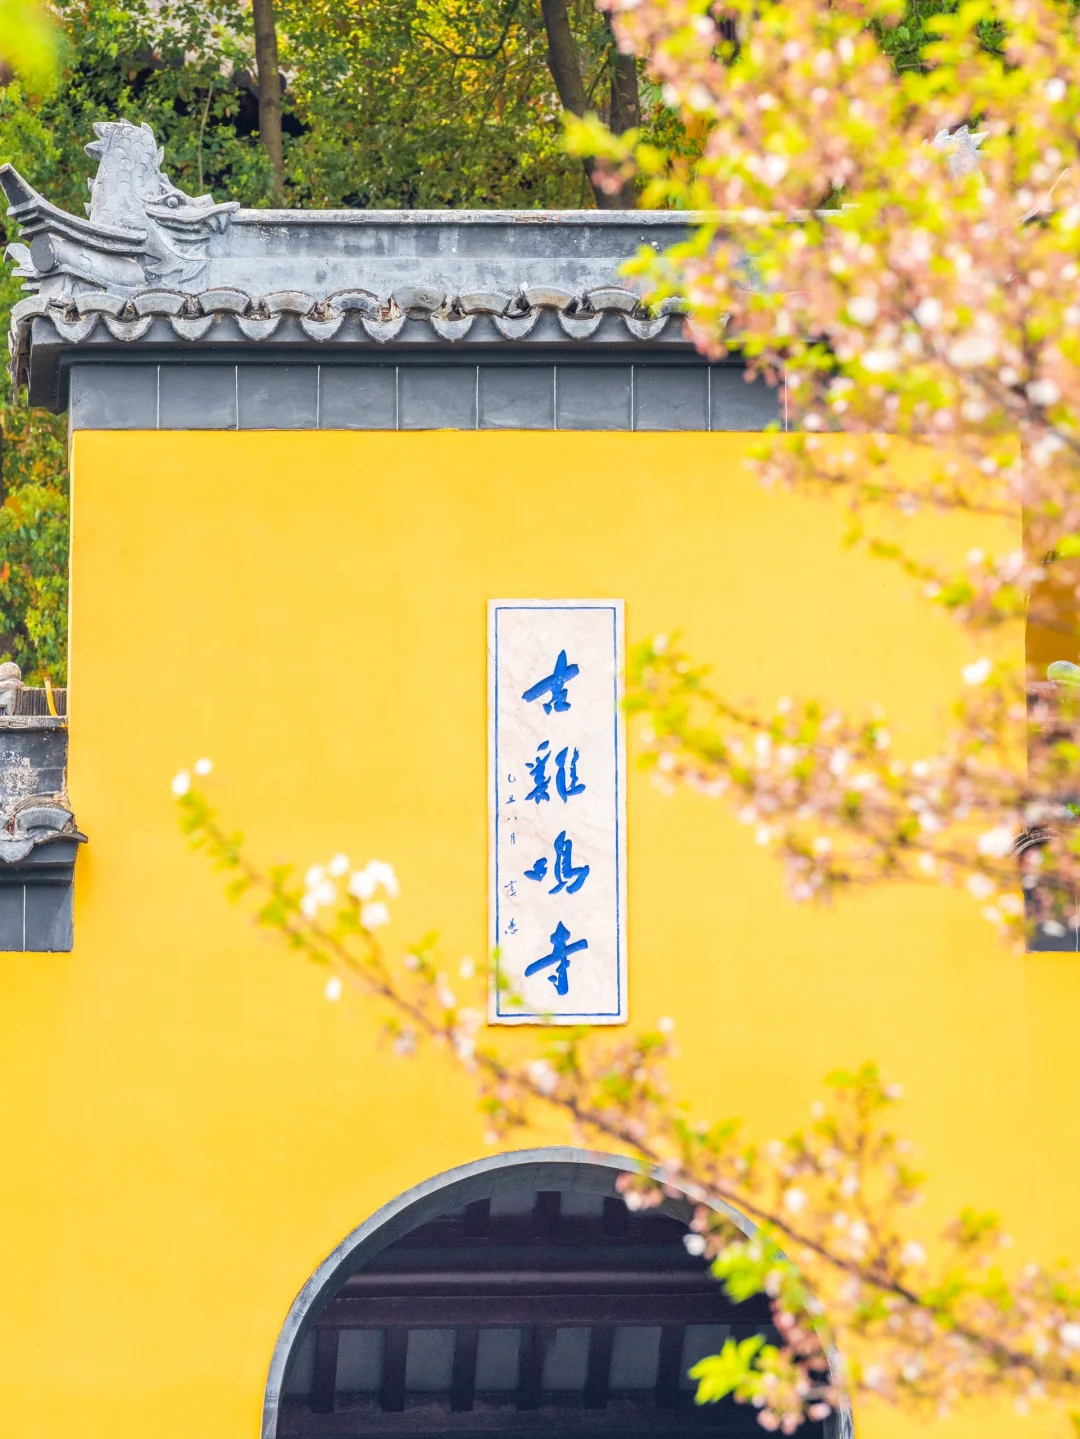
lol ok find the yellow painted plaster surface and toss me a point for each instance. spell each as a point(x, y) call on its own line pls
point(189, 1127)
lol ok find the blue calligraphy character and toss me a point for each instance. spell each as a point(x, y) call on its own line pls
point(512, 928)
point(511, 888)
point(540, 777)
point(554, 685)
point(566, 780)
point(538, 870)
point(559, 957)
point(565, 875)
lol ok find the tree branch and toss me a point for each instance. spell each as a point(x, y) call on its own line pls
point(433, 1013)
point(492, 52)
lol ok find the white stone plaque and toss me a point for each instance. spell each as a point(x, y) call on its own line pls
point(557, 795)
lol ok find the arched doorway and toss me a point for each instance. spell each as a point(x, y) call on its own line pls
point(516, 1295)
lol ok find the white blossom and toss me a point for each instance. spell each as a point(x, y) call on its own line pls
point(972, 351)
point(362, 884)
point(181, 783)
point(880, 362)
point(996, 842)
point(324, 893)
point(928, 312)
point(863, 309)
point(1043, 392)
point(374, 914)
point(383, 874)
point(976, 673)
point(545, 1079)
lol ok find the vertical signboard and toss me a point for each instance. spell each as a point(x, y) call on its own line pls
point(557, 796)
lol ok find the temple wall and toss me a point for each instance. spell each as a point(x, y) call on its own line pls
point(196, 1127)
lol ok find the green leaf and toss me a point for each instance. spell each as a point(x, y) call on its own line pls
point(727, 1372)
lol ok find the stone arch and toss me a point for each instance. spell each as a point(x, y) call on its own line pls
point(571, 1182)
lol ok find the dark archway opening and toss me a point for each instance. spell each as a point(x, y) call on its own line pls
point(515, 1297)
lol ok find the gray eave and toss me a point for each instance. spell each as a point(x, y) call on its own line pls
point(158, 274)
point(344, 280)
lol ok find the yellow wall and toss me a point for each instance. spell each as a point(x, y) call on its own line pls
point(189, 1127)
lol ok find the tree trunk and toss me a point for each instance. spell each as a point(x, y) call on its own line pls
point(625, 99)
point(266, 63)
point(562, 58)
point(625, 113)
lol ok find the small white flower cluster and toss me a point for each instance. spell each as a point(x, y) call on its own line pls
point(321, 890)
point(181, 781)
point(543, 1076)
point(978, 672)
point(463, 1035)
point(996, 843)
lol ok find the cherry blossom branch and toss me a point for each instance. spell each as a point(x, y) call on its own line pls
point(829, 1250)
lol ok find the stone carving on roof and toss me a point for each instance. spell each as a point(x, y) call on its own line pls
point(961, 146)
point(149, 262)
point(140, 228)
point(11, 686)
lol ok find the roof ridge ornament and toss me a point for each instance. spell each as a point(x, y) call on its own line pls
point(141, 228)
point(961, 146)
point(149, 265)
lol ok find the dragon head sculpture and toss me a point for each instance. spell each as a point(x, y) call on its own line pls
point(141, 229)
point(131, 192)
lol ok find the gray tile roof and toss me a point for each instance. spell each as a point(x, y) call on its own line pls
point(151, 265)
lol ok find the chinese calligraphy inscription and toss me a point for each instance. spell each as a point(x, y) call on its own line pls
point(558, 820)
